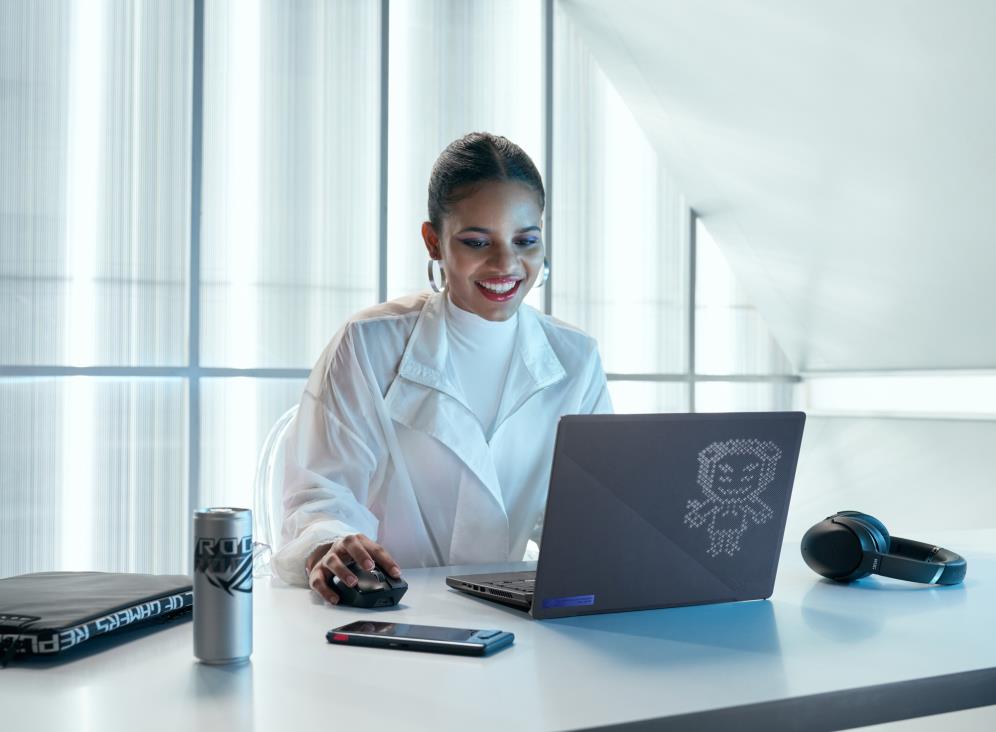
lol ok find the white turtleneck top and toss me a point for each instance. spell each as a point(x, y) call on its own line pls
point(480, 355)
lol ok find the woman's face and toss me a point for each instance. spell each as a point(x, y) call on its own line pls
point(491, 248)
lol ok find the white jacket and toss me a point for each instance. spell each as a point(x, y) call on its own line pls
point(384, 443)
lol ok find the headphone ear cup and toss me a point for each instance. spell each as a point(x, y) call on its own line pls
point(876, 528)
point(832, 550)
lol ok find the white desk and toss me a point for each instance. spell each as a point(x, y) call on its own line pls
point(767, 659)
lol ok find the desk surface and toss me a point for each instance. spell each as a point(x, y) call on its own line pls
point(813, 637)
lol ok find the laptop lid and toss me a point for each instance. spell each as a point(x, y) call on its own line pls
point(657, 510)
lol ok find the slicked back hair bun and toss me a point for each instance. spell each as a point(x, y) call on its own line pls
point(476, 158)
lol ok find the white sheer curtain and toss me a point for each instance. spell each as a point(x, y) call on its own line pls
point(95, 149)
point(456, 67)
point(289, 236)
point(236, 415)
point(97, 488)
point(95, 134)
point(731, 336)
point(291, 190)
point(620, 232)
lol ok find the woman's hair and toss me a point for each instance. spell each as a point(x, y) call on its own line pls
point(476, 158)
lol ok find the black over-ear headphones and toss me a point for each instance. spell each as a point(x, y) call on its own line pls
point(850, 545)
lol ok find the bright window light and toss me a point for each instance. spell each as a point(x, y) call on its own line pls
point(933, 394)
point(85, 133)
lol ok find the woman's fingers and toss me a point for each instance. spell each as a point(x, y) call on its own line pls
point(318, 579)
point(356, 546)
point(337, 567)
point(383, 558)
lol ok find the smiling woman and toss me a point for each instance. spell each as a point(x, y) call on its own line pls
point(486, 203)
point(425, 433)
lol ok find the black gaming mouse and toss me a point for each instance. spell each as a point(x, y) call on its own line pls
point(375, 588)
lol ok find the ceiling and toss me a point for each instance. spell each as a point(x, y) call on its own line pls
point(843, 155)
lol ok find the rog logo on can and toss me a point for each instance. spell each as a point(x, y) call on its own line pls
point(225, 562)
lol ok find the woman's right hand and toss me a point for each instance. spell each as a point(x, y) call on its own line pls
point(330, 560)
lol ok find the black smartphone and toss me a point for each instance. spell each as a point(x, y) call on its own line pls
point(461, 641)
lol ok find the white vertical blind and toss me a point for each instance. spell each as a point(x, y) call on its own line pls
point(31, 475)
point(95, 182)
point(620, 227)
point(289, 236)
point(646, 397)
point(455, 67)
point(730, 335)
point(93, 471)
point(238, 414)
point(95, 137)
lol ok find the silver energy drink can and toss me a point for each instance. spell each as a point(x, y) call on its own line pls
point(223, 585)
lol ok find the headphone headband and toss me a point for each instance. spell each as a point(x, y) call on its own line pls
point(919, 562)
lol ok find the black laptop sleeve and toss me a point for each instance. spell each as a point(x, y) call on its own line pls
point(48, 613)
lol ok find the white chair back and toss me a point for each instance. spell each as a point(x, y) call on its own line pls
point(268, 495)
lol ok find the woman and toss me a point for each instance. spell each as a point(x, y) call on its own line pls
point(425, 433)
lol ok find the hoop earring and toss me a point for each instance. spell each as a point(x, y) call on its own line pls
point(546, 272)
point(432, 278)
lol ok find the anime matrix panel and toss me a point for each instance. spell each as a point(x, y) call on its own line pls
point(658, 510)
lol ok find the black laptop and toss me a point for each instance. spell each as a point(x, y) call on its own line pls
point(657, 510)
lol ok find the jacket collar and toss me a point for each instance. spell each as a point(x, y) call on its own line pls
point(427, 397)
point(426, 354)
point(534, 364)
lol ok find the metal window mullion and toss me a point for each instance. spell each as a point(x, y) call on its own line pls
point(385, 27)
point(152, 372)
point(696, 378)
point(548, 140)
point(194, 324)
point(692, 253)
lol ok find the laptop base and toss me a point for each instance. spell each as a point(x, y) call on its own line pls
point(514, 589)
